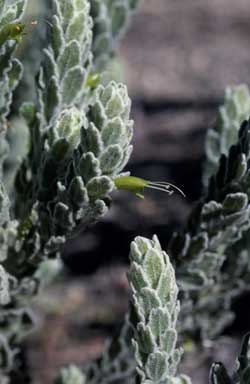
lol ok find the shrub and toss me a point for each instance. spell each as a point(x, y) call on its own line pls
point(61, 157)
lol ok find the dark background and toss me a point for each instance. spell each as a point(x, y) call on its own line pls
point(176, 59)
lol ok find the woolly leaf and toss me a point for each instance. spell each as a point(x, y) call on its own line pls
point(72, 84)
point(156, 366)
point(99, 186)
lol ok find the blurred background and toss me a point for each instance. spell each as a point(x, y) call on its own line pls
point(177, 58)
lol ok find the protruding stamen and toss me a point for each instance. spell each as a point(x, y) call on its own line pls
point(165, 187)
